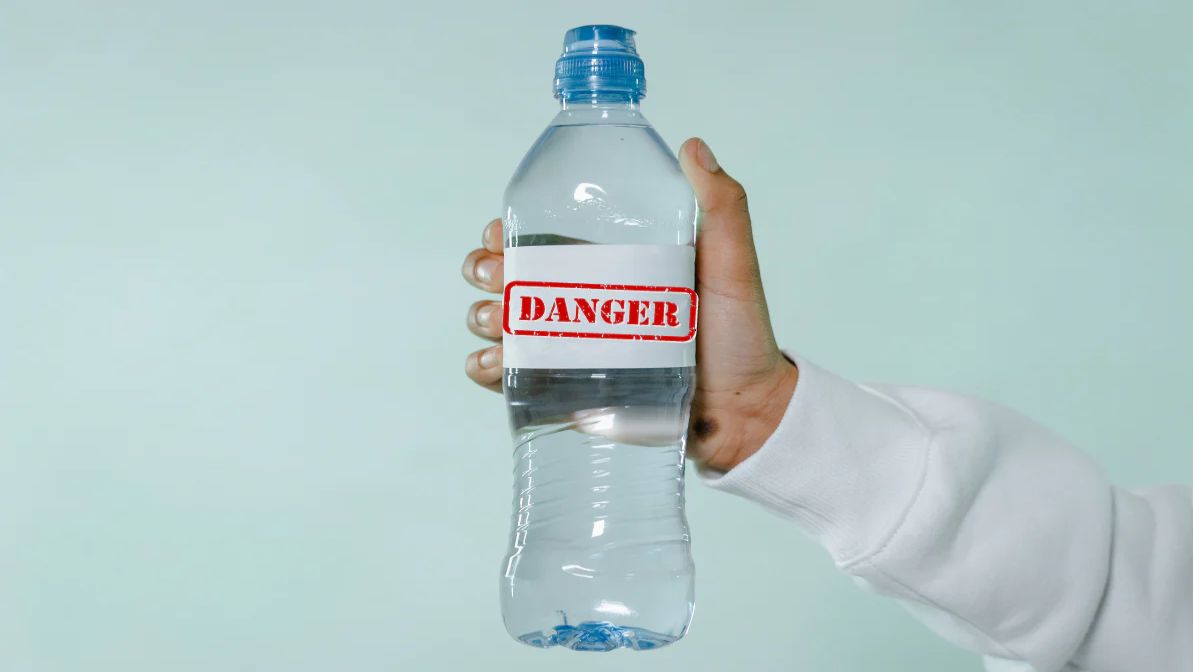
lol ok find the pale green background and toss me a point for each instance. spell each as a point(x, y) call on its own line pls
point(234, 434)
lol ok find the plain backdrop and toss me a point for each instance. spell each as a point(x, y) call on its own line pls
point(234, 431)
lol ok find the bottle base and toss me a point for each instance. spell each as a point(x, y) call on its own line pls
point(598, 636)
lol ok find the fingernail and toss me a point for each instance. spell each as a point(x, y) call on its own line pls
point(486, 270)
point(705, 156)
point(489, 358)
point(483, 316)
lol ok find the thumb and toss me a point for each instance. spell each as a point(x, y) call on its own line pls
point(725, 246)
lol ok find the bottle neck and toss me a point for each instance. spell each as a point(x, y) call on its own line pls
point(594, 98)
point(594, 107)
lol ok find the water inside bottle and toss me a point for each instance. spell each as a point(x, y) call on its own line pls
point(599, 557)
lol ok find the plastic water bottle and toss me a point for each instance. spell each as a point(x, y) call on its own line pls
point(599, 354)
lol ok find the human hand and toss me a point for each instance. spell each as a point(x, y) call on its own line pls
point(743, 381)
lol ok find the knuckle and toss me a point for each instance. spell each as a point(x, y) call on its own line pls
point(737, 192)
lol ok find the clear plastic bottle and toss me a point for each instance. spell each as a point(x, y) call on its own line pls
point(600, 556)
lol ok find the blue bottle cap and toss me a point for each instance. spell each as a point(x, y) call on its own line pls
point(599, 61)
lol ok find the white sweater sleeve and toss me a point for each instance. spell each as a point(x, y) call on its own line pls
point(996, 533)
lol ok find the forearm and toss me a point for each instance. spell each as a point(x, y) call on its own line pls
point(998, 534)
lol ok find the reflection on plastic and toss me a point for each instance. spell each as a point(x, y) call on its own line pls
point(638, 426)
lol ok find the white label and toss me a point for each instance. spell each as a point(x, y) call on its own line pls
point(599, 306)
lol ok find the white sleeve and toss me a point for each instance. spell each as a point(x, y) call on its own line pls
point(996, 533)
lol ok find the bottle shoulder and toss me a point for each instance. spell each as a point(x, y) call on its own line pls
point(610, 183)
point(600, 116)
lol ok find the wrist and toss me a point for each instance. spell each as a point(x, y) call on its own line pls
point(753, 413)
point(771, 403)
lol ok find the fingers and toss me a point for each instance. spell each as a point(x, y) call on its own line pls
point(493, 236)
point(484, 267)
point(484, 367)
point(484, 319)
point(484, 270)
point(721, 198)
point(725, 256)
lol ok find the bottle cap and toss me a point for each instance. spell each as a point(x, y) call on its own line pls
point(597, 61)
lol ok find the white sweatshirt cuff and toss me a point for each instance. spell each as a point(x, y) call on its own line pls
point(995, 532)
point(841, 455)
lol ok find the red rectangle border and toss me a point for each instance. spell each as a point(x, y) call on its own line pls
point(695, 301)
